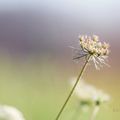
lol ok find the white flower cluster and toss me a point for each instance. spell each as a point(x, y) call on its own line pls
point(92, 46)
point(10, 113)
point(89, 93)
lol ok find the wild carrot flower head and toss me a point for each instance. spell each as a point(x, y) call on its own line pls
point(91, 45)
point(10, 113)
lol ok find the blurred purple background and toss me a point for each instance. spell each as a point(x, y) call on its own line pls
point(47, 28)
point(34, 26)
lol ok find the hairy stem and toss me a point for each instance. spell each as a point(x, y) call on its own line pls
point(71, 92)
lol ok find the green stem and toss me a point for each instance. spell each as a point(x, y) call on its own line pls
point(71, 92)
point(95, 111)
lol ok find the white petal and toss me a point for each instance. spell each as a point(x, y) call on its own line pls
point(95, 63)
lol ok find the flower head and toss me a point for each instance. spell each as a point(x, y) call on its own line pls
point(10, 113)
point(91, 45)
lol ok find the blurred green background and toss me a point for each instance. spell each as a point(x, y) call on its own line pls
point(36, 61)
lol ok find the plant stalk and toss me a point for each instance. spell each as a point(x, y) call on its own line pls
point(71, 92)
point(95, 111)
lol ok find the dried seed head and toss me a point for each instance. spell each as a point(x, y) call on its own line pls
point(99, 51)
point(93, 46)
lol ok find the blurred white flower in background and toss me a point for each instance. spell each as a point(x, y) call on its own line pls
point(89, 97)
point(10, 113)
point(89, 94)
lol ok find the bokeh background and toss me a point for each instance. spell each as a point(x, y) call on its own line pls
point(36, 62)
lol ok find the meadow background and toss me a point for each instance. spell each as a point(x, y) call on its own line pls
point(35, 60)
